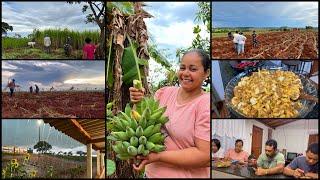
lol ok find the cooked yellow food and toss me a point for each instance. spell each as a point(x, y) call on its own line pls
point(268, 94)
point(222, 164)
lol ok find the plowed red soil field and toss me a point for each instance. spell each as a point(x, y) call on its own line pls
point(54, 105)
point(273, 45)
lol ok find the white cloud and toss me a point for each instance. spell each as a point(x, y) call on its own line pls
point(178, 34)
point(7, 75)
point(26, 16)
point(94, 81)
point(6, 65)
point(306, 12)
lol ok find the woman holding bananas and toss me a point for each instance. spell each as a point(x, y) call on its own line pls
point(187, 153)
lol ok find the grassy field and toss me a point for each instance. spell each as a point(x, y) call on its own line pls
point(17, 48)
point(59, 37)
point(62, 166)
point(37, 53)
point(10, 43)
point(258, 31)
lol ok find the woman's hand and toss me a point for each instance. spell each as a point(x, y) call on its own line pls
point(152, 157)
point(136, 94)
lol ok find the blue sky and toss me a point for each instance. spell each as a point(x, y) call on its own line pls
point(25, 16)
point(264, 14)
point(59, 74)
point(171, 28)
point(13, 135)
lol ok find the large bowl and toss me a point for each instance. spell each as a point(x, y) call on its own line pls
point(308, 86)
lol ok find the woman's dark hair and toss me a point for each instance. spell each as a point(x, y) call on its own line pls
point(239, 140)
point(205, 59)
point(273, 143)
point(88, 40)
point(313, 148)
point(217, 143)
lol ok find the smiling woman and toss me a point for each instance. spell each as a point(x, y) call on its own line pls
point(187, 152)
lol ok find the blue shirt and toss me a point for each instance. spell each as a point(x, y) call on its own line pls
point(301, 163)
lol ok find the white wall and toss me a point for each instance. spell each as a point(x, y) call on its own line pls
point(294, 136)
point(249, 127)
point(228, 130)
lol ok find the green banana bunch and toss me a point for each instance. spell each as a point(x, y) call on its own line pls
point(137, 132)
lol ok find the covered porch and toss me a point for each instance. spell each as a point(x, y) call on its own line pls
point(90, 132)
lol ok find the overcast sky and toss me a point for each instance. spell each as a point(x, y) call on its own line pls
point(171, 27)
point(59, 74)
point(25, 16)
point(25, 133)
point(264, 14)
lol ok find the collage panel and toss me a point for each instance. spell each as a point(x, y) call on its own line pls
point(53, 148)
point(252, 30)
point(265, 148)
point(265, 89)
point(53, 89)
point(53, 30)
point(158, 85)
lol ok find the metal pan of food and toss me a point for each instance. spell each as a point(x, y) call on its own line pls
point(269, 92)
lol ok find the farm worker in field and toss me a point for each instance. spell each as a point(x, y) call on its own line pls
point(88, 49)
point(188, 146)
point(230, 36)
point(97, 53)
point(47, 43)
point(235, 41)
point(12, 85)
point(31, 89)
point(37, 89)
point(254, 39)
point(241, 41)
point(68, 47)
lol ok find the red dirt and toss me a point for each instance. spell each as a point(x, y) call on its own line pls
point(274, 45)
point(54, 105)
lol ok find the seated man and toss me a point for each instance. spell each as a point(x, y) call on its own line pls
point(304, 165)
point(271, 162)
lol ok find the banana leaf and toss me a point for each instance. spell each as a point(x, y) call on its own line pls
point(129, 65)
point(125, 8)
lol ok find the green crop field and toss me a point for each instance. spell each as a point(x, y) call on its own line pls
point(17, 48)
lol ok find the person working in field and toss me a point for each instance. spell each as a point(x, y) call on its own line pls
point(235, 41)
point(254, 39)
point(241, 41)
point(305, 166)
point(31, 89)
point(37, 89)
point(12, 85)
point(187, 152)
point(47, 43)
point(98, 53)
point(230, 37)
point(67, 47)
point(88, 49)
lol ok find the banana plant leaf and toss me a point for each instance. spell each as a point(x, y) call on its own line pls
point(125, 8)
point(129, 65)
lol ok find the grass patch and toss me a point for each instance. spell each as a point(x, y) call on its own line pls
point(36, 53)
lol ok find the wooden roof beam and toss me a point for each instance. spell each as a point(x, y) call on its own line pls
point(76, 124)
point(103, 139)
